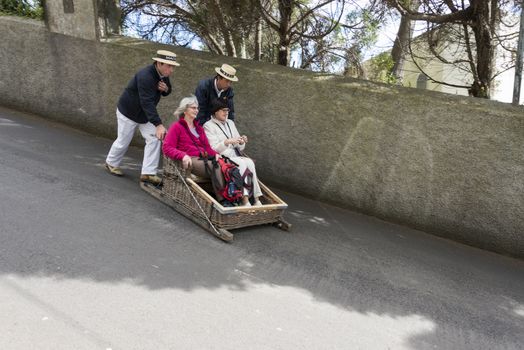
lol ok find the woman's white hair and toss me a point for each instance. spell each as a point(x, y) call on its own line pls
point(186, 102)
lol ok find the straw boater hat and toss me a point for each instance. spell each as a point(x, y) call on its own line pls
point(227, 72)
point(166, 57)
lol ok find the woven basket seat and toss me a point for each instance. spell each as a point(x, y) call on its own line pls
point(222, 217)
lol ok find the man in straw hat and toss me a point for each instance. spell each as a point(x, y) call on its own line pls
point(137, 108)
point(217, 87)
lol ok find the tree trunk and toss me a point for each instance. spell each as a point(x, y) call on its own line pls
point(226, 34)
point(284, 52)
point(212, 43)
point(109, 17)
point(258, 41)
point(400, 47)
point(485, 13)
point(242, 49)
point(517, 81)
point(285, 8)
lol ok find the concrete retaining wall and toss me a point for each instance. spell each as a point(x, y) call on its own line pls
point(449, 165)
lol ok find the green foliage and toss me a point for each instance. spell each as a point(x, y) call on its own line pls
point(361, 34)
point(381, 66)
point(23, 8)
point(371, 26)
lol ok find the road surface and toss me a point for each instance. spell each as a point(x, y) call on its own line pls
point(89, 261)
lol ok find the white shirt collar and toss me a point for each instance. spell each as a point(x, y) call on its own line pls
point(219, 92)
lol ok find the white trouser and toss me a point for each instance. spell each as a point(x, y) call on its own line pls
point(243, 163)
point(126, 130)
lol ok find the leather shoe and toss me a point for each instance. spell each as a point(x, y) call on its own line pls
point(152, 179)
point(114, 170)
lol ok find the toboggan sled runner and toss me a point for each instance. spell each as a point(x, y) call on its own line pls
point(189, 196)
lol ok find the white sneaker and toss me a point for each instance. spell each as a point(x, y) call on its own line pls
point(246, 204)
point(257, 203)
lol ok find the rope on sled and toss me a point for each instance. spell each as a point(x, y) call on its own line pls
point(196, 201)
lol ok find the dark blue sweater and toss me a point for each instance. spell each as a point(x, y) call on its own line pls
point(205, 93)
point(140, 97)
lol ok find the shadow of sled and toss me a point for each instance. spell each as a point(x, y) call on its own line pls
point(189, 196)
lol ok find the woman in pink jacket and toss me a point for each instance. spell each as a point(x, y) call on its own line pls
point(187, 141)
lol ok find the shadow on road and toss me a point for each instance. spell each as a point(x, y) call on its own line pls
point(63, 217)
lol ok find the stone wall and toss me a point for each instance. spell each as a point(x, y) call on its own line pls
point(448, 165)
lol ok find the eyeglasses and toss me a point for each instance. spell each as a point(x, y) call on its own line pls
point(225, 110)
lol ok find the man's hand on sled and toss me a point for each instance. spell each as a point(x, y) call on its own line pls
point(160, 132)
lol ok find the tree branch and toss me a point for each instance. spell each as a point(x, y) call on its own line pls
point(413, 59)
point(460, 15)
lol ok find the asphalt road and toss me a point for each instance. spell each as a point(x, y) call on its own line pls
point(89, 261)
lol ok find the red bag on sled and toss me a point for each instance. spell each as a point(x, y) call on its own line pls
point(234, 183)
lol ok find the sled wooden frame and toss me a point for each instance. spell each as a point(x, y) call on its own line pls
point(176, 194)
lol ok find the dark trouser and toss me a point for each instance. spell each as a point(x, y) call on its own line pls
point(198, 168)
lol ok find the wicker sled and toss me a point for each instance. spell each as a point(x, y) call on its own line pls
point(192, 200)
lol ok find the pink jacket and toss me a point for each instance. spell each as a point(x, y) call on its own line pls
point(180, 141)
